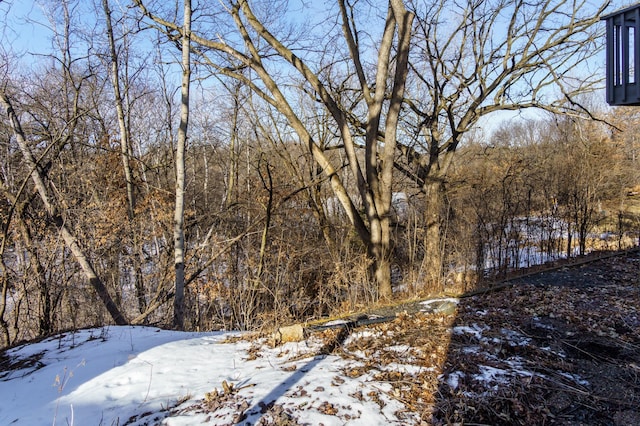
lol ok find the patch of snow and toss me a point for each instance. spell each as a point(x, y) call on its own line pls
point(472, 349)
point(362, 334)
point(337, 322)
point(441, 300)
point(406, 368)
point(453, 379)
point(515, 338)
point(561, 354)
point(490, 374)
point(575, 378)
point(538, 324)
point(443, 305)
point(474, 329)
point(143, 375)
point(399, 348)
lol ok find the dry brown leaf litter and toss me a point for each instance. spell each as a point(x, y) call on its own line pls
point(557, 348)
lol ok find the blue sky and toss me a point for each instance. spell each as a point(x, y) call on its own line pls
point(24, 28)
point(27, 31)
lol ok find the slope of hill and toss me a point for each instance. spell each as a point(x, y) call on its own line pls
point(559, 347)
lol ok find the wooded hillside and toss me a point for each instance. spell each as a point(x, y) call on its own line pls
point(238, 165)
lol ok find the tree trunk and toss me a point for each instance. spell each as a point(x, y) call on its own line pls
point(52, 211)
point(6, 337)
point(4, 292)
point(45, 323)
point(381, 272)
point(433, 259)
point(379, 248)
point(268, 186)
point(232, 177)
point(126, 154)
point(178, 229)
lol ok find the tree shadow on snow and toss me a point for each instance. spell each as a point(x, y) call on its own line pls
point(266, 403)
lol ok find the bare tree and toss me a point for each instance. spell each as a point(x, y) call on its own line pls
point(37, 176)
point(472, 58)
point(381, 93)
point(466, 60)
point(126, 153)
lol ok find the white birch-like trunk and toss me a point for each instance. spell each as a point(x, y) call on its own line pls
point(178, 229)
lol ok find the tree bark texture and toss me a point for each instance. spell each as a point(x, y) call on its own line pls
point(432, 263)
point(178, 229)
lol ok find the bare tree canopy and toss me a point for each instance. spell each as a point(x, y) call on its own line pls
point(471, 59)
point(393, 86)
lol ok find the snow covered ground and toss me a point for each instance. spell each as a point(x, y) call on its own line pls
point(141, 375)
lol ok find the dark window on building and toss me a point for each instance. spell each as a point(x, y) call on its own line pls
point(623, 59)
